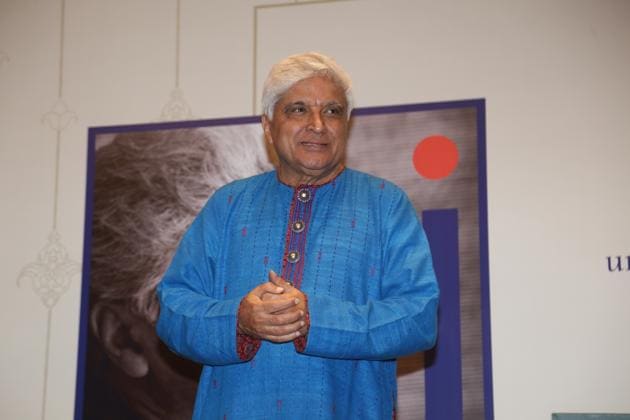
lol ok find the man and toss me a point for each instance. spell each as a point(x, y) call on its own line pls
point(354, 287)
point(148, 186)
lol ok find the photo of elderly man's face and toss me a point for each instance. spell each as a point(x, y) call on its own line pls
point(148, 187)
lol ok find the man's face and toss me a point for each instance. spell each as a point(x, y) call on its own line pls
point(309, 131)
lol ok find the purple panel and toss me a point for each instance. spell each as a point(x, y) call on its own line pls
point(443, 367)
point(85, 291)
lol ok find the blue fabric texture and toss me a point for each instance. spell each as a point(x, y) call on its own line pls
point(368, 276)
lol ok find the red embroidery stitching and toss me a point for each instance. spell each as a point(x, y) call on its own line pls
point(246, 346)
point(300, 342)
point(287, 237)
point(296, 241)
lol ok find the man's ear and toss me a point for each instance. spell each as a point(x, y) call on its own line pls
point(266, 124)
point(271, 151)
point(114, 328)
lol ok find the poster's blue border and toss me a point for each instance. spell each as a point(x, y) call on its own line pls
point(478, 104)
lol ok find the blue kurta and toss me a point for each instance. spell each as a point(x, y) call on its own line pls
point(363, 262)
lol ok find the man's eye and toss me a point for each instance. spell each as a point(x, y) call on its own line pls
point(297, 109)
point(333, 111)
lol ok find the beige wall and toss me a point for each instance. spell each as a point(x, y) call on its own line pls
point(555, 76)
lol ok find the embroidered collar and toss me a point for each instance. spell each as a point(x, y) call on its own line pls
point(313, 186)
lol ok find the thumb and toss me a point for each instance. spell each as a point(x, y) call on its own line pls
point(276, 279)
point(267, 287)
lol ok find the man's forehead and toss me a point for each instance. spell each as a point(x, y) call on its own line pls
point(317, 90)
point(313, 101)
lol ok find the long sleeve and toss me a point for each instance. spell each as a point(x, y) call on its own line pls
point(193, 322)
point(366, 273)
point(404, 320)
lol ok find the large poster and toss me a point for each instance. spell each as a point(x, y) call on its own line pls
point(147, 182)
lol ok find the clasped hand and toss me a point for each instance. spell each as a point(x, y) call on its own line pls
point(273, 311)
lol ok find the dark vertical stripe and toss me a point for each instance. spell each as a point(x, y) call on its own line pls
point(85, 284)
point(443, 372)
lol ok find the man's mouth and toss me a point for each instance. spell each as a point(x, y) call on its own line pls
point(313, 144)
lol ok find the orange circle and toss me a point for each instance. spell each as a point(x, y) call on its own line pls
point(435, 157)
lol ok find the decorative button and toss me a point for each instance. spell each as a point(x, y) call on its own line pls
point(304, 195)
point(293, 257)
point(297, 226)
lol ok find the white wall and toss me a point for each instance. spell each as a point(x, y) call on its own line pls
point(556, 78)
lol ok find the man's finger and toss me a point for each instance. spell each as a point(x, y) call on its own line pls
point(277, 280)
point(266, 287)
point(278, 319)
point(277, 305)
point(284, 318)
point(284, 331)
point(282, 338)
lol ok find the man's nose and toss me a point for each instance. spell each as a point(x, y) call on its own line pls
point(316, 123)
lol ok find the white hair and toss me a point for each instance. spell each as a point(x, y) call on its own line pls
point(295, 68)
point(148, 187)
